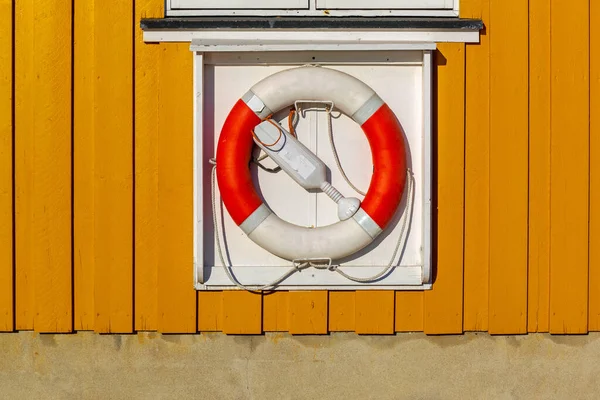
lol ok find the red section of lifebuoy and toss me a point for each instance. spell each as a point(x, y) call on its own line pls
point(385, 137)
point(389, 166)
point(233, 156)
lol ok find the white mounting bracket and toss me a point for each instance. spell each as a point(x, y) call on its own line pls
point(209, 50)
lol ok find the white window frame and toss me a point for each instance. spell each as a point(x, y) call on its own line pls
point(316, 8)
point(219, 52)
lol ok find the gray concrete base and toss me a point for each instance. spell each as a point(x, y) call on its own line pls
point(278, 366)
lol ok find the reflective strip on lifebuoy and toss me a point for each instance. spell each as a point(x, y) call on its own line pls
point(355, 99)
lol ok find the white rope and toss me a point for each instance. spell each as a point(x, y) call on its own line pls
point(335, 154)
point(405, 217)
point(305, 265)
point(226, 268)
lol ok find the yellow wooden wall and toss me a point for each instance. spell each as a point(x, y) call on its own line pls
point(96, 181)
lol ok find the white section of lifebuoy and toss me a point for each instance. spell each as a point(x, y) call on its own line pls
point(293, 242)
point(314, 83)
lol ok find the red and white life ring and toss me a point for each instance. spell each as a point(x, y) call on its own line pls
point(355, 99)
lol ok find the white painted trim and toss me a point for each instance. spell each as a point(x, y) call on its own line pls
point(174, 8)
point(312, 38)
point(398, 278)
point(315, 13)
point(384, 4)
point(403, 288)
point(220, 45)
point(427, 165)
point(228, 5)
point(405, 57)
point(197, 168)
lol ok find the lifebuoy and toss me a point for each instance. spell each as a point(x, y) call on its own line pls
point(355, 99)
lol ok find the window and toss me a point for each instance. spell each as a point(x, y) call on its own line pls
point(445, 8)
point(239, 4)
point(384, 4)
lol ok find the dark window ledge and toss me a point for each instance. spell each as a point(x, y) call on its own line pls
point(311, 23)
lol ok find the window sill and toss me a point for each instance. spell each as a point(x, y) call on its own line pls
point(388, 29)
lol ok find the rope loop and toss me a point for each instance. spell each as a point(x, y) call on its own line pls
point(301, 264)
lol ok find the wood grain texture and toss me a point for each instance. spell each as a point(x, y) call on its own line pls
point(176, 294)
point(210, 311)
point(539, 166)
point(443, 306)
point(477, 171)
point(375, 312)
point(242, 312)
point(113, 167)
point(517, 191)
point(409, 312)
point(146, 171)
point(594, 286)
point(83, 165)
point(342, 314)
point(509, 124)
point(6, 167)
point(569, 196)
point(51, 166)
point(276, 312)
point(24, 141)
point(308, 312)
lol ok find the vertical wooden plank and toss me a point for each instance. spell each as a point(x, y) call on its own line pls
point(443, 306)
point(509, 124)
point(24, 134)
point(308, 312)
point(176, 294)
point(375, 312)
point(6, 166)
point(409, 312)
point(146, 171)
point(51, 166)
point(570, 119)
point(83, 165)
point(113, 164)
point(242, 312)
point(594, 288)
point(342, 313)
point(275, 312)
point(539, 166)
point(477, 171)
point(210, 311)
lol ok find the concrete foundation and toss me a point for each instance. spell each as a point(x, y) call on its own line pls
point(277, 366)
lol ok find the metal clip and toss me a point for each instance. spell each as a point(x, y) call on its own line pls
point(328, 105)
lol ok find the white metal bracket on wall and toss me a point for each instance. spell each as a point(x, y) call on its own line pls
point(217, 51)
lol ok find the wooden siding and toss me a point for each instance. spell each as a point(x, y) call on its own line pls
point(96, 181)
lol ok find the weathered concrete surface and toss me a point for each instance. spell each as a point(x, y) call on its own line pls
point(407, 366)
